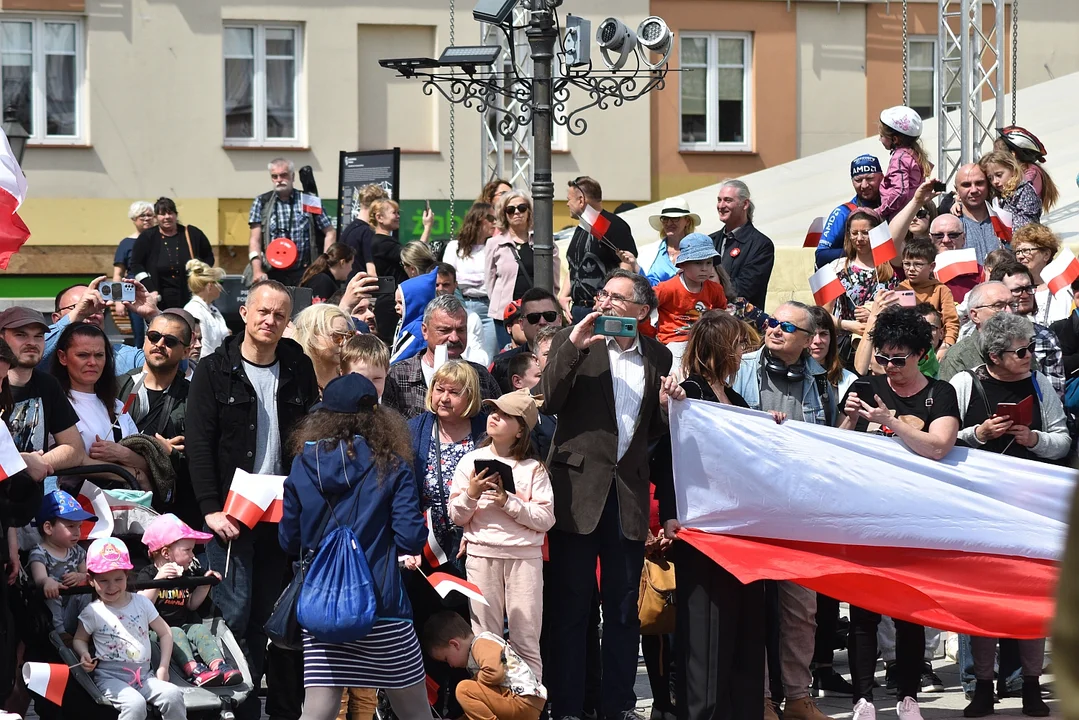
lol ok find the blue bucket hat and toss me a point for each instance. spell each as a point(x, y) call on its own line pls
point(696, 246)
point(864, 164)
point(60, 505)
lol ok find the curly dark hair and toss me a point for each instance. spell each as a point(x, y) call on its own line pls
point(384, 430)
point(902, 327)
point(106, 388)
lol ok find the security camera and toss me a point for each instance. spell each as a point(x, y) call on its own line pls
point(613, 36)
point(654, 36)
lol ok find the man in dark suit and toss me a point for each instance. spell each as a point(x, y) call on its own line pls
point(745, 252)
point(606, 393)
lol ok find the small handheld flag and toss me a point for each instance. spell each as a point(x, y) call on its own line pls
point(825, 285)
point(813, 235)
point(880, 239)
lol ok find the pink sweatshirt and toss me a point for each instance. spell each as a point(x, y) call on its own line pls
point(514, 531)
point(900, 182)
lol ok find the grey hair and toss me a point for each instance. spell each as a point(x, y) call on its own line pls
point(804, 308)
point(998, 333)
point(643, 294)
point(743, 194)
point(138, 208)
point(448, 304)
point(976, 296)
point(281, 161)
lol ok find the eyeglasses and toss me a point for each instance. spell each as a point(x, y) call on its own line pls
point(66, 308)
point(786, 326)
point(1023, 252)
point(548, 315)
point(898, 360)
point(514, 209)
point(664, 219)
point(615, 298)
point(998, 306)
point(171, 341)
point(1023, 290)
point(145, 216)
point(949, 235)
point(922, 214)
point(915, 266)
point(1023, 351)
point(340, 337)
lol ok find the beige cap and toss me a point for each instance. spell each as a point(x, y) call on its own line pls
point(519, 403)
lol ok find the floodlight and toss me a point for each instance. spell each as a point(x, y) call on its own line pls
point(469, 57)
point(408, 66)
point(654, 36)
point(493, 11)
point(613, 35)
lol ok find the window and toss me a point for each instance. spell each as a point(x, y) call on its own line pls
point(922, 76)
point(41, 70)
point(715, 82)
point(262, 83)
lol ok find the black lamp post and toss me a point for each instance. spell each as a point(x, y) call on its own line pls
point(16, 134)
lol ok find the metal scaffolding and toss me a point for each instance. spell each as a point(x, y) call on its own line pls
point(970, 72)
point(496, 144)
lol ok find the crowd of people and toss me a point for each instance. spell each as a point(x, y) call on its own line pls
point(461, 420)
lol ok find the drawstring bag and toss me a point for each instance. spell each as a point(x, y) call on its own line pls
point(337, 601)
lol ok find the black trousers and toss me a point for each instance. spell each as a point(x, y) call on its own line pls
point(573, 571)
point(827, 625)
point(862, 653)
point(658, 653)
point(719, 641)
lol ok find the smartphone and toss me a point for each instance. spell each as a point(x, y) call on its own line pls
point(938, 186)
point(906, 298)
point(117, 291)
point(615, 326)
point(386, 285)
point(427, 205)
point(497, 467)
point(863, 388)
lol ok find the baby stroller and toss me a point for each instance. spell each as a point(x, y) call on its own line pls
point(129, 523)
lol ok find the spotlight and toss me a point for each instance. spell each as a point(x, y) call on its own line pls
point(613, 35)
point(654, 36)
point(495, 12)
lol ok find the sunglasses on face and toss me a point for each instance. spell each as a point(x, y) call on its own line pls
point(514, 209)
point(949, 235)
point(1023, 351)
point(171, 341)
point(899, 360)
point(548, 315)
point(786, 326)
point(342, 337)
point(490, 218)
point(922, 214)
point(1023, 290)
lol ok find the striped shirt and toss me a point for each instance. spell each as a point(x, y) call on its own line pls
point(627, 377)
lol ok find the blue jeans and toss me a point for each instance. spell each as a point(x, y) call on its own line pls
point(138, 328)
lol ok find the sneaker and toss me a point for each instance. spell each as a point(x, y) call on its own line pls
point(931, 682)
point(1033, 705)
point(891, 679)
point(803, 709)
point(229, 675)
point(828, 683)
point(770, 710)
point(202, 676)
point(981, 701)
point(864, 710)
point(907, 709)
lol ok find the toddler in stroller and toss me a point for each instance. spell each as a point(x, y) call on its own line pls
point(58, 561)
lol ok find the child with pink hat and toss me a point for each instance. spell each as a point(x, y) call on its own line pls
point(119, 623)
point(171, 543)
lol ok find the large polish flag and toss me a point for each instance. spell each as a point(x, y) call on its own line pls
point(13, 231)
point(880, 239)
point(970, 543)
point(254, 498)
point(1061, 272)
point(950, 264)
point(814, 233)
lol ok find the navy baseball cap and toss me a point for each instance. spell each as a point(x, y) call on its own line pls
point(350, 393)
point(864, 164)
point(60, 505)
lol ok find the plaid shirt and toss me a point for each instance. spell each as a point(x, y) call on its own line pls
point(1049, 356)
point(409, 396)
point(289, 220)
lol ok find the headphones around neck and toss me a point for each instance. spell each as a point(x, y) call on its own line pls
point(776, 367)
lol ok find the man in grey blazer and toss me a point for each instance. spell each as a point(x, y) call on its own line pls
point(606, 393)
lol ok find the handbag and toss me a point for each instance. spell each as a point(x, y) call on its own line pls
point(337, 599)
point(656, 601)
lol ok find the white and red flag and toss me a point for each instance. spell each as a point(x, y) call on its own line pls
point(48, 680)
point(11, 461)
point(825, 285)
point(436, 556)
point(953, 263)
point(444, 584)
point(311, 203)
point(813, 235)
point(1002, 221)
point(1061, 272)
point(13, 231)
point(594, 223)
point(969, 543)
point(880, 239)
point(255, 498)
point(98, 502)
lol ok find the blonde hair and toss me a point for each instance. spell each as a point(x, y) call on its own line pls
point(380, 206)
point(507, 199)
point(1004, 159)
point(316, 322)
point(462, 374)
point(366, 348)
point(200, 275)
point(371, 193)
point(418, 255)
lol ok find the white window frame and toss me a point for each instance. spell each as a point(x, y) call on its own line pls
point(38, 113)
point(259, 86)
point(712, 144)
point(933, 40)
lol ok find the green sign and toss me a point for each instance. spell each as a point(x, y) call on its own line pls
point(412, 218)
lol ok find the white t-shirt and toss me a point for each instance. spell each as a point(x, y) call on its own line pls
point(469, 270)
point(94, 418)
point(121, 634)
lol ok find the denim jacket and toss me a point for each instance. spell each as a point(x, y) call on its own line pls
point(748, 384)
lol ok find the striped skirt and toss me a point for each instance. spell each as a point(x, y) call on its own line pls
point(388, 658)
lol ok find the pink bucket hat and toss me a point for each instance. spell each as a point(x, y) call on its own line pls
point(107, 554)
point(166, 529)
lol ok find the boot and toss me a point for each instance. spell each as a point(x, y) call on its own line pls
point(1033, 705)
point(770, 710)
point(982, 702)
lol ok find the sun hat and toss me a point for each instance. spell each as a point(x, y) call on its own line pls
point(107, 554)
point(519, 403)
point(696, 246)
point(60, 505)
point(673, 208)
point(166, 529)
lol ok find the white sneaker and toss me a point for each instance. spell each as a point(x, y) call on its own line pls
point(908, 709)
point(864, 710)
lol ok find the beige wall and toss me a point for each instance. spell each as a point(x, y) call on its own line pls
point(1048, 30)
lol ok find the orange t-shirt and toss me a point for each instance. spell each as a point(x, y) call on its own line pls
point(679, 308)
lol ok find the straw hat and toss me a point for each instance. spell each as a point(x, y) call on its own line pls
point(674, 208)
